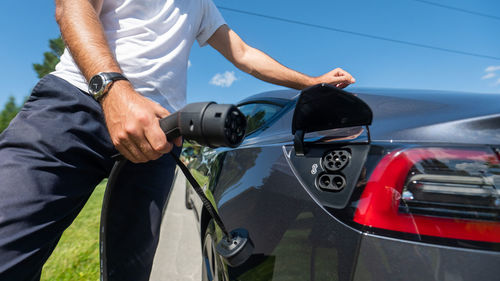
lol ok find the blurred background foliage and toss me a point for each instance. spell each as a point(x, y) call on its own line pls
point(50, 60)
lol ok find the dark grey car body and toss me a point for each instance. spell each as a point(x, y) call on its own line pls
point(303, 233)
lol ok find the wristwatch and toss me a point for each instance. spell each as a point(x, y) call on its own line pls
point(100, 83)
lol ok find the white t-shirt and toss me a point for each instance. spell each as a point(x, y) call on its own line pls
point(151, 40)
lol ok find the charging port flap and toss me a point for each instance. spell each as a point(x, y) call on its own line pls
point(324, 107)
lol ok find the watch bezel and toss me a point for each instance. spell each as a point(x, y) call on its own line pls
point(97, 89)
point(105, 80)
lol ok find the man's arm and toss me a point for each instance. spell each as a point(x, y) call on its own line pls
point(263, 67)
point(132, 120)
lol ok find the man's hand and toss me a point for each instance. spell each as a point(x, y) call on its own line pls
point(337, 77)
point(133, 124)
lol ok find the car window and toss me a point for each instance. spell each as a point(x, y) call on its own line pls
point(257, 114)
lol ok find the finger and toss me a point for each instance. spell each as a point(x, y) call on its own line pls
point(157, 139)
point(339, 72)
point(340, 78)
point(130, 151)
point(144, 147)
point(339, 81)
point(136, 142)
point(348, 79)
point(127, 154)
point(346, 75)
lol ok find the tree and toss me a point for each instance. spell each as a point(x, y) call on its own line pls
point(49, 64)
point(8, 113)
point(51, 58)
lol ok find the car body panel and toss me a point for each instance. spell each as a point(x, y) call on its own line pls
point(410, 115)
point(383, 258)
point(283, 220)
point(298, 235)
point(433, 116)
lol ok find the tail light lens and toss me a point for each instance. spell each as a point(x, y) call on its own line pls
point(444, 192)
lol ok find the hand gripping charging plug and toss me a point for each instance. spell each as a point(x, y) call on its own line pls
point(208, 124)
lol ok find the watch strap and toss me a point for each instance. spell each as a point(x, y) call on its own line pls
point(114, 76)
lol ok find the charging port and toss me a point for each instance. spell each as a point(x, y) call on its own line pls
point(336, 160)
point(331, 182)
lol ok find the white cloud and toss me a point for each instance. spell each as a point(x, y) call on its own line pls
point(492, 68)
point(224, 80)
point(492, 71)
point(189, 63)
point(488, 75)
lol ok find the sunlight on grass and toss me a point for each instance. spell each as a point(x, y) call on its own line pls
point(76, 257)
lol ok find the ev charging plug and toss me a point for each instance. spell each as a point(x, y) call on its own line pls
point(208, 124)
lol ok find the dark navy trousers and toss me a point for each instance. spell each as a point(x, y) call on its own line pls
point(52, 156)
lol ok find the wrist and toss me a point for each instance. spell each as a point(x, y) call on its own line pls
point(310, 81)
point(119, 90)
point(301, 81)
point(314, 81)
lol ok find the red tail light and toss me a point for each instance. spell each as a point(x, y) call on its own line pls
point(443, 192)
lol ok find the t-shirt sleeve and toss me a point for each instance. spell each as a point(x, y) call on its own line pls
point(210, 22)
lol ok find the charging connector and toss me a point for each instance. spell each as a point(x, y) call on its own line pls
point(208, 124)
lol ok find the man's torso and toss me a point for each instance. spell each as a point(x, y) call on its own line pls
point(151, 40)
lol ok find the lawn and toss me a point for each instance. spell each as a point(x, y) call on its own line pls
point(76, 257)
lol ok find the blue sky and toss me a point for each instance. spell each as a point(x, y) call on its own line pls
point(26, 27)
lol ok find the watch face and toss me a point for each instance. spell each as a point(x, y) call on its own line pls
point(96, 84)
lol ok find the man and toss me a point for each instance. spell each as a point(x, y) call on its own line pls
point(60, 145)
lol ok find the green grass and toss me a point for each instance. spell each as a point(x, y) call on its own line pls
point(76, 257)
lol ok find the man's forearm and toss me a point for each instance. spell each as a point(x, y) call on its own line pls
point(265, 68)
point(83, 34)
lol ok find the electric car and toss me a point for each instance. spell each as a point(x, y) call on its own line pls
point(406, 188)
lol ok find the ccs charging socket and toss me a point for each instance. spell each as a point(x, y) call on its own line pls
point(331, 182)
point(331, 188)
point(336, 160)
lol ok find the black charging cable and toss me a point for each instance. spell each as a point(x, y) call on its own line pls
point(206, 203)
point(209, 124)
point(110, 187)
